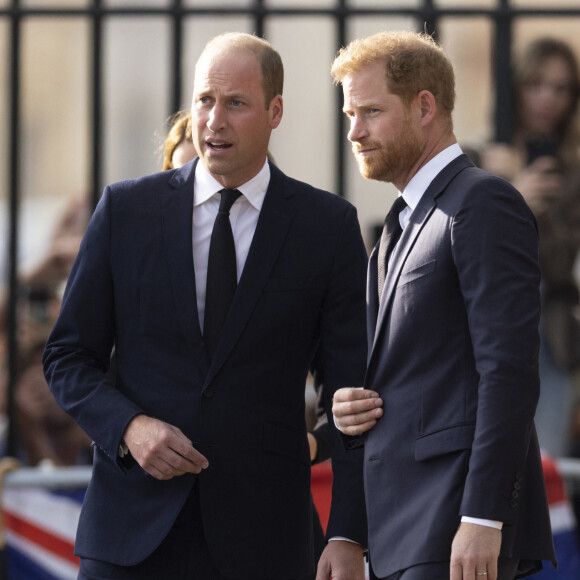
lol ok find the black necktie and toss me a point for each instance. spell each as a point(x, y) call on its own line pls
point(222, 278)
point(391, 234)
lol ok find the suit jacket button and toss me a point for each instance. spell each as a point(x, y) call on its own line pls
point(513, 503)
point(515, 494)
point(517, 485)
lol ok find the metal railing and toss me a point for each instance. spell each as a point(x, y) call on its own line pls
point(49, 477)
point(426, 13)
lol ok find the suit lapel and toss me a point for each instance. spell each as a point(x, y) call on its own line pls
point(416, 223)
point(372, 295)
point(177, 211)
point(274, 222)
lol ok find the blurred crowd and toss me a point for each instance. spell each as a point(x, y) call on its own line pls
point(542, 160)
point(44, 433)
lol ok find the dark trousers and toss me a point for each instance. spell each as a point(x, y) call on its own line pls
point(182, 555)
point(507, 568)
point(319, 541)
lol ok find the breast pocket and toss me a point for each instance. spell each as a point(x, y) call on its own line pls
point(417, 272)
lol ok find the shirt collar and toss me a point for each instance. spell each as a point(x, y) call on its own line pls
point(423, 178)
point(206, 186)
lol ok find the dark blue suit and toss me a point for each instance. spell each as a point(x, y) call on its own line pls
point(133, 287)
point(454, 358)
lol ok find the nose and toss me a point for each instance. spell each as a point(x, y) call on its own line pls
point(357, 130)
point(216, 118)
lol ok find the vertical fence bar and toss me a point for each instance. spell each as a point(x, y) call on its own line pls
point(97, 105)
point(176, 64)
point(430, 19)
point(259, 18)
point(341, 40)
point(14, 196)
point(503, 112)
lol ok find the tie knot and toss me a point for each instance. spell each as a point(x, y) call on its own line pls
point(392, 217)
point(399, 204)
point(227, 199)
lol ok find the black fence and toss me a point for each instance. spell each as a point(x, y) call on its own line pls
point(426, 13)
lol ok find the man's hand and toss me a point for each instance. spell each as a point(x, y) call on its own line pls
point(162, 450)
point(356, 410)
point(475, 549)
point(341, 560)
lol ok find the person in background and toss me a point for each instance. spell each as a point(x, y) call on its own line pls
point(453, 475)
point(542, 161)
point(201, 466)
point(46, 435)
point(44, 432)
point(178, 146)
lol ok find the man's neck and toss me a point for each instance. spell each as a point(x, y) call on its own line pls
point(431, 149)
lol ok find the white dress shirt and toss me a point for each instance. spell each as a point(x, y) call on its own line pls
point(243, 217)
point(423, 178)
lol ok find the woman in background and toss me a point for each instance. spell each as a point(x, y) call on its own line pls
point(178, 147)
point(542, 161)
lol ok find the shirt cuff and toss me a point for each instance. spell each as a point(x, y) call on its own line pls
point(340, 538)
point(480, 522)
point(123, 450)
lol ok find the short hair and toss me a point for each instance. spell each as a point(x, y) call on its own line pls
point(268, 58)
point(179, 132)
point(413, 62)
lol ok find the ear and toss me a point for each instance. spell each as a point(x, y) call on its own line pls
point(428, 106)
point(276, 110)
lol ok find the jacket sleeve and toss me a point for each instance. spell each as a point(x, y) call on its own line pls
point(495, 250)
point(342, 362)
point(78, 351)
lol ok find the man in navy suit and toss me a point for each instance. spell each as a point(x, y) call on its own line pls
point(201, 462)
point(453, 477)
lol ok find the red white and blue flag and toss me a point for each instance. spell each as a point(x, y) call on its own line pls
point(564, 528)
point(40, 528)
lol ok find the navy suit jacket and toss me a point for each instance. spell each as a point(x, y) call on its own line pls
point(302, 292)
point(453, 353)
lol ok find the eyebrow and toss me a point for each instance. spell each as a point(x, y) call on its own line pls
point(364, 105)
point(208, 92)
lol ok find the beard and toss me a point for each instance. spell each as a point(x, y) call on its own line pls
point(392, 157)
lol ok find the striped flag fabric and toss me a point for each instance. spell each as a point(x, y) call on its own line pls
point(564, 527)
point(40, 529)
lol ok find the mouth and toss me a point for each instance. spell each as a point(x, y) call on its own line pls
point(363, 151)
point(216, 145)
